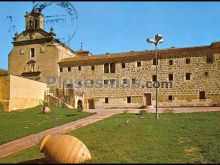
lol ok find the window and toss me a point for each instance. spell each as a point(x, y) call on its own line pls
point(210, 58)
point(106, 100)
point(21, 51)
point(138, 64)
point(188, 61)
point(154, 61)
point(170, 62)
point(69, 69)
point(133, 81)
point(35, 23)
point(154, 77)
point(93, 67)
point(30, 23)
point(112, 67)
point(112, 82)
point(79, 67)
point(123, 65)
point(69, 86)
point(106, 68)
point(106, 82)
point(129, 99)
point(88, 83)
point(42, 49)
point(79, 83)
point(170, 77)
point(61, 69)
point(32, 52)
point(170, 97)
point(125, 81)
point(188, 77)
point(202, 95)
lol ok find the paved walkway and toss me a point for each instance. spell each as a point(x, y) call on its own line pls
point(160, 110)
point(29, 141)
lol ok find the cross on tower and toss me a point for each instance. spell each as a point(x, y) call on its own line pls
point(81, 45)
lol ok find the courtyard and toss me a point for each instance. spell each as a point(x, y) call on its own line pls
point(133, 138)
point(22, 123)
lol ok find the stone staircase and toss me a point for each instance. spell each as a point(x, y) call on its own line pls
point(58, 102)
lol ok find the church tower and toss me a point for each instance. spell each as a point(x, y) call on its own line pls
point(36, 52)
point(34, 20)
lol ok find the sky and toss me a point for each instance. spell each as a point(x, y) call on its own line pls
point(117, 26)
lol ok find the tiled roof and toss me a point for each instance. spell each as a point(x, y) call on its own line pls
point(83, 53)
point(140, 55)
point(34, 13)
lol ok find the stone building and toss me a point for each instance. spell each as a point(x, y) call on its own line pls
point(186, 76)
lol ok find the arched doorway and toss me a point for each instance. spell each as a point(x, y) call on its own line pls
point(79, 105)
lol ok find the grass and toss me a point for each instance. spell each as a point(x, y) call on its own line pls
point(17, 124)
point(126, 138)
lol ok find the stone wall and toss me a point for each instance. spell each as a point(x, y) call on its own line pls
point(184, 92)
point(20, 93)
point(118, 102)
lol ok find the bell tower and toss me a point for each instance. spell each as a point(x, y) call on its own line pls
point(34, 20)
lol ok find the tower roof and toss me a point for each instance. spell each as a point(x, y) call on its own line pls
point(34, 12)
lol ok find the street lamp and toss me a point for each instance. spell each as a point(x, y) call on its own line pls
point(158, 39)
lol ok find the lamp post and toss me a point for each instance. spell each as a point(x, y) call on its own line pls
point(158, 39)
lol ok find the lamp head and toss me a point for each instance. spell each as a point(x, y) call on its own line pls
point(158, 37)
point(161, 40)
point(151, 40)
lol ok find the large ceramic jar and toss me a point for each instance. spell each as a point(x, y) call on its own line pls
point(64, 149)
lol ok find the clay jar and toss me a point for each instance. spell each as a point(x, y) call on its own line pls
point(64, 149)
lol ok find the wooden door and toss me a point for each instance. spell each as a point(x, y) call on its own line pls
point(91, 104)
point(148, 99)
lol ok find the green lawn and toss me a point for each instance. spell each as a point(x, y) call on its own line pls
point(126, 138)
point(17, 124)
